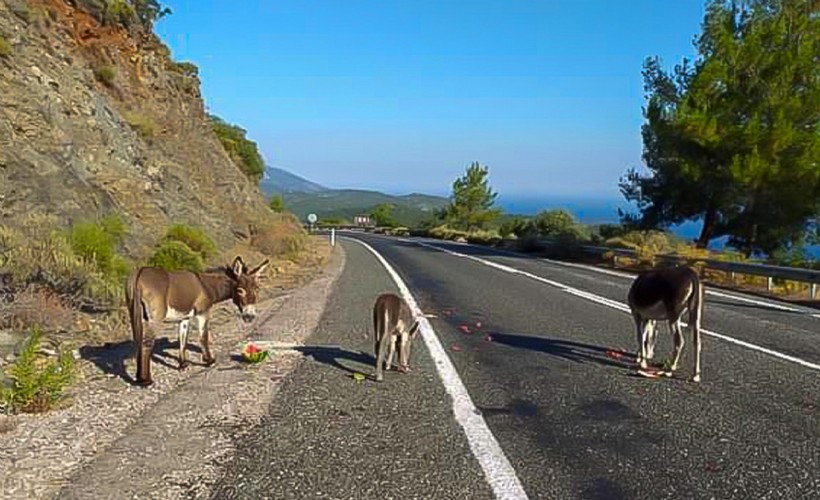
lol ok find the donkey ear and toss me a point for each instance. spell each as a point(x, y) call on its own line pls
point(260, 269)
point(238, 266)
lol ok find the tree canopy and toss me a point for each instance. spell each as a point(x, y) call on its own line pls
point(382, 216)
point(734, 138)
point(472, 201)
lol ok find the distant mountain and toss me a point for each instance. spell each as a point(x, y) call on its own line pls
point(279, 181)
point(302, 197)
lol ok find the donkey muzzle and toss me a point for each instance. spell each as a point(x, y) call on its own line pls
point(248, 314)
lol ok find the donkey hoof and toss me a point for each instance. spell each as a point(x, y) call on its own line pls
point(183, 365)
point(696, 378)
point(209, 361)
point(145, 383)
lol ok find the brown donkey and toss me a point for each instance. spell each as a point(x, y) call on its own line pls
point(156, 296)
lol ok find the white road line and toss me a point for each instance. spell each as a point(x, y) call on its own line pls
point(610, 272)
point(620, 305)
point(497, 469)
point(773, 305)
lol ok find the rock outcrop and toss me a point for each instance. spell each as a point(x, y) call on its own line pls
point(98, 119)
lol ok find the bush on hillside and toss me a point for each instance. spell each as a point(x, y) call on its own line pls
point(194, 238)
point(97, 242)
point(280, 237)
point(277, 204)
point(5, 47)
point(143, 125)
point(105, 75)
point(80, 265)
point(174, 255)
point(184, 68)
point(241, 150)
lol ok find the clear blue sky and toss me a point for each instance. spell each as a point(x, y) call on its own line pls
point(402, 95)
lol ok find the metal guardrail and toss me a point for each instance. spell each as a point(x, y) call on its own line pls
point(771, 272)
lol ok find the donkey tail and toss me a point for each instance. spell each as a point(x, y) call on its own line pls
point(133, 294)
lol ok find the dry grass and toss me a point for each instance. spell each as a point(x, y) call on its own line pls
point(143, 125)
point(36, 253)
point(36, 306)
point(279, 237)
point(5, 47)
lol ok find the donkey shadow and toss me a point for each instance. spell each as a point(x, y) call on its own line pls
point(569, 350)
point(110, 357)
point(331, 356)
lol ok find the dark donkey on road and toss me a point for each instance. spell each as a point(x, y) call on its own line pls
point(157, 296)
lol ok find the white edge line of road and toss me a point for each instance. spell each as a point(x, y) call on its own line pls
point(619, 305)
point(497, 468)
point(610, 272)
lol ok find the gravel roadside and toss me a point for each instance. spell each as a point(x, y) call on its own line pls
point(169, 440)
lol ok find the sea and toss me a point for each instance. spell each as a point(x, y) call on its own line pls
point(605, 211)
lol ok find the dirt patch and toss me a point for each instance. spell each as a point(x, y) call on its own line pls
point(170, 440)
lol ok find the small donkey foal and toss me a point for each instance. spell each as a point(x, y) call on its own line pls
point(396, 328)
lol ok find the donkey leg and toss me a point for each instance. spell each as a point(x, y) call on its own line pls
point(144, 355)
point(393, 343)
point(674, 325)
point(639, 329)
point(183, 343)
point(381, 354)
point(205, 339)
point(650, 337)
point(697, 343)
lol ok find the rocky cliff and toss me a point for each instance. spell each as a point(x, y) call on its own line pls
point(96, 118)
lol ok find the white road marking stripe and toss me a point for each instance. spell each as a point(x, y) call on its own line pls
point(773, 305)
point(610, 272)
point(621, 306)
point(497, 469)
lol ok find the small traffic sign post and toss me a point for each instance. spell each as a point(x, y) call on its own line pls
point(311, 221)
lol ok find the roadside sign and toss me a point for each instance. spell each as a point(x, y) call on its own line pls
point(312, 218)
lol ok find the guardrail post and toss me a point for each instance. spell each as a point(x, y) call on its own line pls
point(769, 283)
point(333, 236)
point(733, 277)
point(813, 291)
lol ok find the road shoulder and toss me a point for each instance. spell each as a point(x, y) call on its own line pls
point(172, 439)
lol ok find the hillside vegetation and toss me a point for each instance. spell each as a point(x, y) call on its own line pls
point(108, 160)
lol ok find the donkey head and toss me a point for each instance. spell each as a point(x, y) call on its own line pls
point(247, 285)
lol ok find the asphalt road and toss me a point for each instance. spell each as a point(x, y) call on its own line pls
point(540, 362)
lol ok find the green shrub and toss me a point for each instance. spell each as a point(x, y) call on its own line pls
point(194, 238)
point(513, 227)
point(36, 253)
point(277, 204)
point(36, 385)
point(5, 47)
point(241, 150)
point(184, 68)
point(176, 256)
point(119, 12)
point(97, 242)
point(143, 125)
point(105, 75)
point(333, 221)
